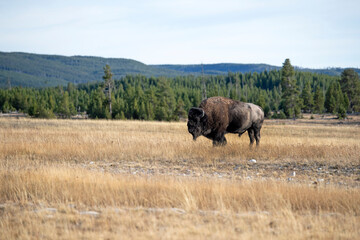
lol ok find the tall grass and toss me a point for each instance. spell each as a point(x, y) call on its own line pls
point(133, 141)
point(52, 172)
point(73, 185)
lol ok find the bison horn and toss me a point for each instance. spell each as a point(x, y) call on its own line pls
point(196, 112)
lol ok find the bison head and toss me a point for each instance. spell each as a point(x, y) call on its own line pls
point(196, 122)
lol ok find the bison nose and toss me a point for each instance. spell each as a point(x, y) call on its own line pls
point(194, 137)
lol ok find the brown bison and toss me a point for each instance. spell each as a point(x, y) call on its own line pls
point(217, 116)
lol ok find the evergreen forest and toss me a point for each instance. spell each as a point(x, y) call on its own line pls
point(283, 93)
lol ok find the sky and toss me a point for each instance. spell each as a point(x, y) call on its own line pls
point(311, 33)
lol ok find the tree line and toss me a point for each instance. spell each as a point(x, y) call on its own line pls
point(281, 93)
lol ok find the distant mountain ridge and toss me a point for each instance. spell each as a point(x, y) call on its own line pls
point(38, 70)
point(224, 68)
point(218, 68)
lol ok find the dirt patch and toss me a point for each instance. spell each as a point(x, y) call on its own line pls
point(316, 173)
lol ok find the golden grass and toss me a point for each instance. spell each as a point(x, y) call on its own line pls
point(150, 180)
point(126, 140)
point(68, 185)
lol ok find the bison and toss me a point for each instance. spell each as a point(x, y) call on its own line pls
point(217, 116)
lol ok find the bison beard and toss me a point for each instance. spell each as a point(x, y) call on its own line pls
point(217, 116)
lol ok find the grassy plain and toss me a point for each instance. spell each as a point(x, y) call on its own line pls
point(72, 179)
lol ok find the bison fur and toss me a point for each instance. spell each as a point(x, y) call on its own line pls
point(217, 116)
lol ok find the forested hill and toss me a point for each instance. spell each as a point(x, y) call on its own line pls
point(35, 70)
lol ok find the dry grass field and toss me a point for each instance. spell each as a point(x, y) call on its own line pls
point(89, 179)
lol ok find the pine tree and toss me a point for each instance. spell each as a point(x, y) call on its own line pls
point(150, 112)
point(96, 108)
point(237, 87)
point(318, 100)
point(186, 100)
point(261, 100)
point(307, 98)
point(6, 108)
point(179, 110)
point(109, 84)
point(290, 97)
point(136, 109)
point(166, 98)
point(336, 101)
point(203, 83)
point(161, 112)
point(276, 98)
point(118, 107)
point(64, 106)
point(142, 111)
point(330, 99)
point(43, 111)
point(52, 102)
point(350, 85)
point(33, 107)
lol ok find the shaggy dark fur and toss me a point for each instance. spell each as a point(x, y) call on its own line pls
point(217, 116)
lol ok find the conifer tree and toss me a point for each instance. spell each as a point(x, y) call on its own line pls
point(162, 112)
point(336, 101)
point(64, 106)
point(261, 100)
point(179, 110)
point(142, 111)
point(307, 97)
point(167, 102)
point(203, 83)
point(96, 108)
point(291, 100)
point(318, 100)
point(350, 85)
point(109, 84)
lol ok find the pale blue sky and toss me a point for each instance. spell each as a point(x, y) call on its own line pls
point(316, 33)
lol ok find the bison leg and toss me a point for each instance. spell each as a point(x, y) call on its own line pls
point(257, 136)
point(219, 140)
point(251, 136)
point(240, 133)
